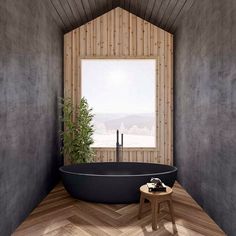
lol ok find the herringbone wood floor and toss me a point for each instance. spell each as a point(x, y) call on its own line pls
point(59, 214)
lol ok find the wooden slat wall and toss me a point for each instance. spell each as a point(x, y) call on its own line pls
point(120, 34)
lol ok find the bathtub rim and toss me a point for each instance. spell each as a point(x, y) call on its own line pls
point(175, 169)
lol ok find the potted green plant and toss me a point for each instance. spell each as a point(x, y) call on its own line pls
point(77, 135)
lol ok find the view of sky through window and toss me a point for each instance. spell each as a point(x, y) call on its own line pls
point(122, 95)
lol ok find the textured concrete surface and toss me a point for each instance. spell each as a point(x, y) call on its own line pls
point(30, 82)
point(205, 108)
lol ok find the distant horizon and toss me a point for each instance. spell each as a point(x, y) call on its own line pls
point(121, 94)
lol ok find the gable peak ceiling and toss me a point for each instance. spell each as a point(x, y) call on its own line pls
point(70, 14)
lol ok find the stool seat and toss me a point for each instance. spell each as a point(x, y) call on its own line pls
point(144, 189)
point(156, 198)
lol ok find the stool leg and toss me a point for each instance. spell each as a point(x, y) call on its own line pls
point(140, 206)
point(158, 208)
point(154, 216)
point(170, 205)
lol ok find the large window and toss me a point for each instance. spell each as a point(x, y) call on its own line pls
point(122, 94)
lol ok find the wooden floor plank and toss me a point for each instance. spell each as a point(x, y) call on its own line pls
point(74, 230)
point(59, 214)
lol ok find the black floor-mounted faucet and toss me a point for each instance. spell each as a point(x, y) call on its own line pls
point(118, 146)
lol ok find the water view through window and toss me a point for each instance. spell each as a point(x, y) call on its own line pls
point(122, 95)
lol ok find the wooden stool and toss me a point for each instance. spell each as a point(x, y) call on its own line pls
point(155, 199)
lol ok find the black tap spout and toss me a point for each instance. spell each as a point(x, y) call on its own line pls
point(118, 146)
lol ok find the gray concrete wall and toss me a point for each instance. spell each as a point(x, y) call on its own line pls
point(30, 82)
point(205, 108)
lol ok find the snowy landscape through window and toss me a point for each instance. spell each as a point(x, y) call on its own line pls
point(122, 94)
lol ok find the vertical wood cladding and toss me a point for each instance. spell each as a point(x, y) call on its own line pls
point(120, 34)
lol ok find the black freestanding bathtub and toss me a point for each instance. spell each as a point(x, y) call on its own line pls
point(113, 182)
